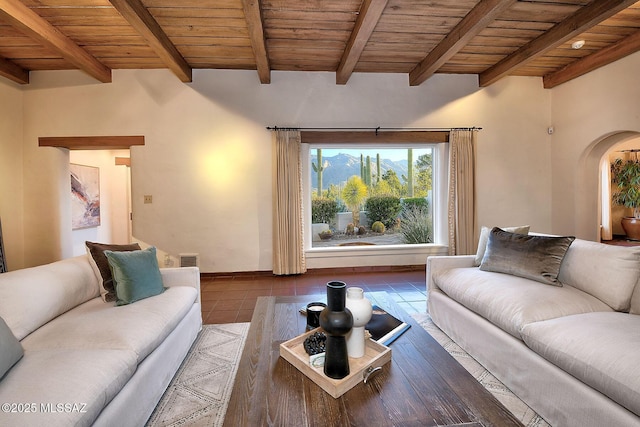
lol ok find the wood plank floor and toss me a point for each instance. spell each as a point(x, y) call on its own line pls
point(232, 298)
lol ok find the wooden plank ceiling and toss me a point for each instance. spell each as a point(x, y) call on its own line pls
point(490, 38)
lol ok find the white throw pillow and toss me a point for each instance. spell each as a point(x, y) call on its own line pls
point(484, 237)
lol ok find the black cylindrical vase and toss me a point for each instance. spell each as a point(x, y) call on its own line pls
point(337, 321)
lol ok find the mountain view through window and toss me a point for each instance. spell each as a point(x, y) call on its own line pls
point(372, 196)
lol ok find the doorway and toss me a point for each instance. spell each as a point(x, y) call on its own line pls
point(610, 215)
point(115, 198)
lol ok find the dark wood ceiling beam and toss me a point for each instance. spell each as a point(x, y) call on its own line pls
point(483, 14)
point(30, 23)
point(14, 72)
point(253, 16)
point(622, 48)
point(584, 19)
point(144, 23)
point(91, 142)
point(368, 18)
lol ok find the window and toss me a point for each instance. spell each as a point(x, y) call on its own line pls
point(374, 194)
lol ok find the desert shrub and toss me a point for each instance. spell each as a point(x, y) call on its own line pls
point(416, 225)
point(353, 193)
point(383, 208)
point(409, 202)
point(323, 210)
point(378, 227)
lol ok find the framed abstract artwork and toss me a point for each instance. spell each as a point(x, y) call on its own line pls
point(85, 196)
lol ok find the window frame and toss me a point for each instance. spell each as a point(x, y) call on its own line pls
point(439, 195)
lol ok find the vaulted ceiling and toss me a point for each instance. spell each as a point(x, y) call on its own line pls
point(490, 38)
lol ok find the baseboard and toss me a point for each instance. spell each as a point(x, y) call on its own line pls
point(318, 271)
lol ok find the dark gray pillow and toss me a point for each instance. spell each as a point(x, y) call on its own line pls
point(10, 348)
point(532, 257)
point(107, 288)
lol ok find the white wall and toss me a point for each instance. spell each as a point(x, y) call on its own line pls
point(591, 114)
point(114, 199)
point(207, 159)
point(11, 172)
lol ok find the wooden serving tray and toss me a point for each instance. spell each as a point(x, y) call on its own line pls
point(375, 356)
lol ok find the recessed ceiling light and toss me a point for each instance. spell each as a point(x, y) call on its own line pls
point(577, 44)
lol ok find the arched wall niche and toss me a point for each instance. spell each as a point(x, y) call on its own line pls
point(589, 184)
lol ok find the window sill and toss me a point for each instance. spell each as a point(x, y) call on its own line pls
point(372, 255)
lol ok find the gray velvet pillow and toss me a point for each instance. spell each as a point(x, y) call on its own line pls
point(10, 348)
point(532, 257)
point(484, 237)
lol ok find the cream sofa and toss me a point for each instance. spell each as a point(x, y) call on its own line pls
point(572, 353)
point(88, 362)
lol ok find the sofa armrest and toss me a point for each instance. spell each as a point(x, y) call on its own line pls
point(182, 276)
point(436, 264)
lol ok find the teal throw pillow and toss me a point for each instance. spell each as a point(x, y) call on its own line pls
point(100, 265)
point(10, 348)
point(136, 275)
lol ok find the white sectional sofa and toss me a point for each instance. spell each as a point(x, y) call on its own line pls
point(87, 361)
point(571, 352)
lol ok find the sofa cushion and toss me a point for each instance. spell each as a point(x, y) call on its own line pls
point(138, 327)
point(635, 300)
point(600, 349)
point(136, 275)
point(484, 237)
point(31, 297)
point(10, 349)
point(532, 257)
point(100, 265)
point(510, 302)
point(608, 272)
point(88, 379)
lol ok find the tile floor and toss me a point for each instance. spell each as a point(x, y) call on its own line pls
point(231, 299)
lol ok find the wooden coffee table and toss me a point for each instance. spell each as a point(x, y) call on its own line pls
point(421, 386)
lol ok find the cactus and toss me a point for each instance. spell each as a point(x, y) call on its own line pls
point(378, 227)
point(318, 167)
point(410, 172)
point(350, 229)
point(325, 235)
point(361, 230)
point(377, 168)
point(365, 170)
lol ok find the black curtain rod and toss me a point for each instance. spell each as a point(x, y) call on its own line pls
point(372, 129)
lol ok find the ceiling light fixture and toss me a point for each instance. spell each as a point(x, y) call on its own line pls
point(577, 44)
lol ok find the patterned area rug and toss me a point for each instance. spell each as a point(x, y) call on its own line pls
point(199, 393)
point(526, 415)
